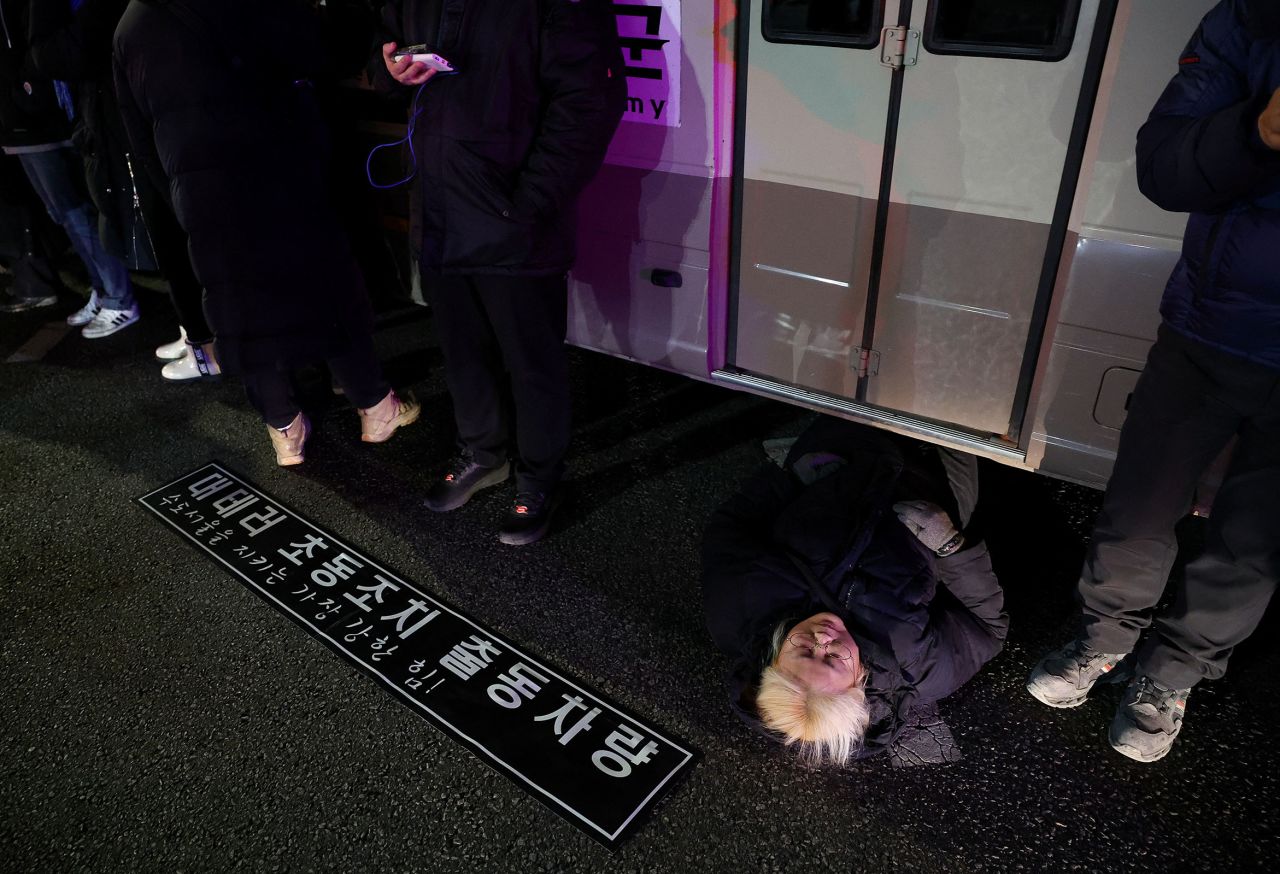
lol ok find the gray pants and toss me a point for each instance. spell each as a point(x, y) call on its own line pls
point(1190, 401)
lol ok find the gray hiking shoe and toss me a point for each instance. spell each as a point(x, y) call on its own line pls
point(1148, 720)
point(1064, 677)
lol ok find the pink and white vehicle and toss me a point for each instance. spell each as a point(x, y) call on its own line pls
point(922, 214)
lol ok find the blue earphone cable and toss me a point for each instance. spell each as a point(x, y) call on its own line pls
point(408, 138)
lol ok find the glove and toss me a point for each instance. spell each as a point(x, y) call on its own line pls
point(931, 525)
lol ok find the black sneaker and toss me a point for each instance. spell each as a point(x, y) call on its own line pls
point(529, 518)
point(462, 479)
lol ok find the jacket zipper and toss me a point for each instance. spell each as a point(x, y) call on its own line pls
point(4, 22)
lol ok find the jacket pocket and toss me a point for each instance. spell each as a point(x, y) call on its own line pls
point(481, 224)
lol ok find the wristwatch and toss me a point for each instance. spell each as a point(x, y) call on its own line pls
point(951, 546)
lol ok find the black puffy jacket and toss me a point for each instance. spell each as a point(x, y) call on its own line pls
point(219, 99)
point(780, 550)
point(505, 146)
point(1200, 152)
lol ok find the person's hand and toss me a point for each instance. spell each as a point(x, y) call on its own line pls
point(931, 525)
point(404, 70)
point(1269, 122)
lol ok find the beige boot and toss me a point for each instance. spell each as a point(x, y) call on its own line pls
point(289, 442)
point(378, 423)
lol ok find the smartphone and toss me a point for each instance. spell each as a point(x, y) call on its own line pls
point(420, 55)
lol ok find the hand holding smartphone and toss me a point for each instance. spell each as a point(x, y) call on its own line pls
point(418, 54)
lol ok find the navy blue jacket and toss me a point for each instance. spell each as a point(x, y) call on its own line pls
point(924, 625)
point(1200, 152)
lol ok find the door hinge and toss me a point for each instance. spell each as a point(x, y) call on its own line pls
point(899, 47)
point(865, 362)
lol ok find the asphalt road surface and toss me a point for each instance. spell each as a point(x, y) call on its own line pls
point(158, 716)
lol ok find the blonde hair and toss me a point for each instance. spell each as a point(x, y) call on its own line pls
point(826, 728)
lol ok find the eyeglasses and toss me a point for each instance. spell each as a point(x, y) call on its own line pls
point(811, 642)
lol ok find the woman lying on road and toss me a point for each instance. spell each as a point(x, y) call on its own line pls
point(821, 579)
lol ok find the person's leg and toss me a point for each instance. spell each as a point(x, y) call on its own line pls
point(472, 367)
point(270, 392)
point(1225, 591)
point(48, 174)
point(57, 177)
point(529, 317)
point(1180, 418)
point(169, 243)
point(35, 281)
point(359, 373)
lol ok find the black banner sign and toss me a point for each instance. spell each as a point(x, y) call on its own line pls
point(590, 761)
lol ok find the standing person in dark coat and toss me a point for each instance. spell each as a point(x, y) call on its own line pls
point(1210, 147)
point(844, 592)
point(36, 115)
point(220, 94)
point(73, 43)
point(503, 149)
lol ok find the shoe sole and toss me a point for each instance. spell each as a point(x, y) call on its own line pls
point(1136, 754)
point(397, 423)
point(1057, 703)
point(199, 377)
point(498, 477)
point(527, 537)
point(114, 330)
point(28, 305)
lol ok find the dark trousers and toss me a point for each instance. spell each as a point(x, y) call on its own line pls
point(25, 246)
point(503, 344)
point(1190, 401)
point(169, 243)
point(358, 372)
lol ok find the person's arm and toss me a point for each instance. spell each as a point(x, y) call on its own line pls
point(1203, 148)
point(739, 561)
point(386, 74)
point(968, 576)
point(966, 624)
point(585, 93)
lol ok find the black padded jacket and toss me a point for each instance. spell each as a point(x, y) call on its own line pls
point(505, 145)
point(780, 550)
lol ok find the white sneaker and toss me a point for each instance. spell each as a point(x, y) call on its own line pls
point(176, 350)
point(108, 321)
point(188, 366)
point(85, 314)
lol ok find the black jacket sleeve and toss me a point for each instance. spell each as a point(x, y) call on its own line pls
point(585, 94)
point(1200, 150)
point(967, 624)
point(745, 577)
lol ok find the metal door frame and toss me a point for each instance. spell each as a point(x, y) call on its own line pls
point(1011, 449)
